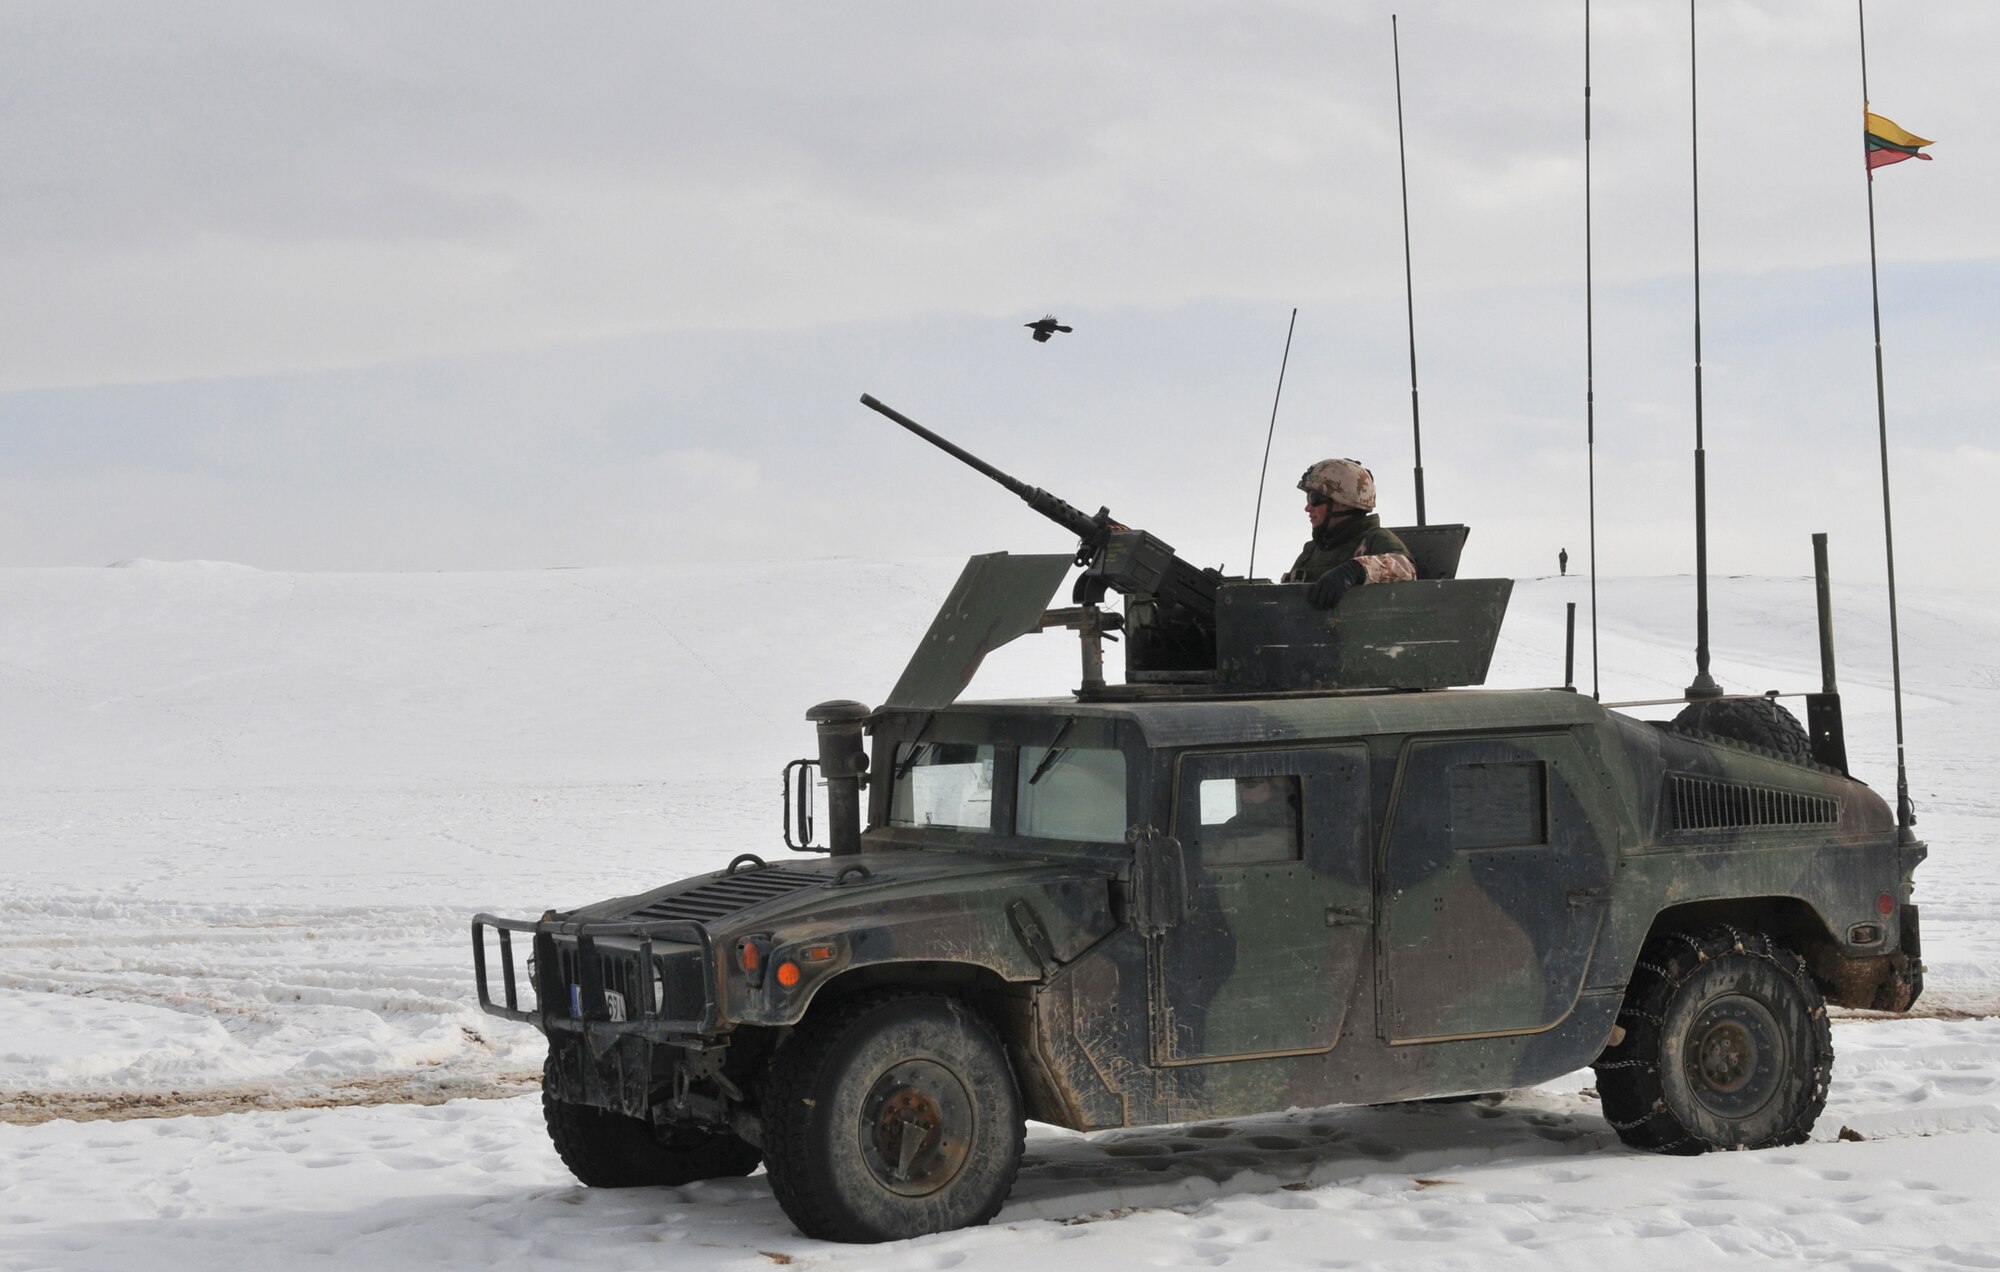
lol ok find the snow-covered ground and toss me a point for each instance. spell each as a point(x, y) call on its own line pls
point(245, 817)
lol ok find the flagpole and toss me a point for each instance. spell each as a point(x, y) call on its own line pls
point(1905, 813)
point(1589, 357)
point(1409, 290)
point(1704, 685)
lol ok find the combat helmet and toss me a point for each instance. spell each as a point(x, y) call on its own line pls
point(1345, 481)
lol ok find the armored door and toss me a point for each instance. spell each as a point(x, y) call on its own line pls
point(1266, 958)
point(1493, 887)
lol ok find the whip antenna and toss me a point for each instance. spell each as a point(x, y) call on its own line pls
point(1409, 292)
point(1265, 471)
point(1704, 685)
point(1589, 356)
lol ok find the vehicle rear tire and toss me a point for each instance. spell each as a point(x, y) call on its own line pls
point(891, 1116)
point(609, 1150)
point(1726, 1045)
point(1757, 721)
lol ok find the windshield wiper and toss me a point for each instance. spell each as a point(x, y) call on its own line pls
point(916, 748)
point(1056, 752)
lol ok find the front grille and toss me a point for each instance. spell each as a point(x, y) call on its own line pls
point(1699, 803)
point(728, 894)
point(618, 968)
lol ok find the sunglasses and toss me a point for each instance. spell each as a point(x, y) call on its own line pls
point(1317, 501)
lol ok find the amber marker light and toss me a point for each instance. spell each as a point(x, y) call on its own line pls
point(816, 953)
point(750, 957)
point(788, 974)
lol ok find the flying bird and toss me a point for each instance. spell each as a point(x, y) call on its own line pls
point(1048, 326)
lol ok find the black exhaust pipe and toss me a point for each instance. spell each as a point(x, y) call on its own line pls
point(843, 763)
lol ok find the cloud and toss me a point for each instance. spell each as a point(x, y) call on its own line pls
point(391, 286)
point(746, 445)
point(229, 188)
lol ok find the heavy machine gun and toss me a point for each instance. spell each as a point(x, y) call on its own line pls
point(1170, 609)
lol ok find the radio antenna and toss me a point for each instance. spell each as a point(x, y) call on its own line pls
point(1265, 472)
point(1704, 685)
point(1409, 291)
point(1589, 357)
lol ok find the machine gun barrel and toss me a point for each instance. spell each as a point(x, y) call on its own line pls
point(1071, 518)
point(1170, 617)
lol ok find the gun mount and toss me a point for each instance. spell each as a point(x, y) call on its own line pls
point(1192, 630)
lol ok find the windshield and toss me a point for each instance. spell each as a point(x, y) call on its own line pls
point(948, 784)
point(1074, 792)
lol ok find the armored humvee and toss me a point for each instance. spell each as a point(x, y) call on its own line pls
point(1285, 863)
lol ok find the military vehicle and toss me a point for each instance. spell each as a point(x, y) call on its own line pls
point(1290, 861)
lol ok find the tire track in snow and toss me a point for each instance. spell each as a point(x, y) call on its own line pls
point(30, 1108)
point(139, 1009)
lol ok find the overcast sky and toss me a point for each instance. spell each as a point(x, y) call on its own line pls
point(422, 286)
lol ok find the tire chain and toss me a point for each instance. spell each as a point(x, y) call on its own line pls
point(1733, 941)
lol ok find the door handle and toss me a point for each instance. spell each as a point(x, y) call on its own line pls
point(1338, 917)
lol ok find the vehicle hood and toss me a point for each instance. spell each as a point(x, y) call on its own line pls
point(909, 902)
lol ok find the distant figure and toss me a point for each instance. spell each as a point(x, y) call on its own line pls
point(1044, 328)
point(1562, 561)
point(1349, 545)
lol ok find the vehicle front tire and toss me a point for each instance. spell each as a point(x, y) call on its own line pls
point(891, 1116)
point(609, 1150)
point(1726, 1045)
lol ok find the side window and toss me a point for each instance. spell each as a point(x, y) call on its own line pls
point(1499, 805)
point(1248, 820)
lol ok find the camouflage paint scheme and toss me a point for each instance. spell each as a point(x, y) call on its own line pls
point(1416, 948)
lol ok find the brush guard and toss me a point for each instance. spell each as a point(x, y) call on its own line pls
point(606, 980)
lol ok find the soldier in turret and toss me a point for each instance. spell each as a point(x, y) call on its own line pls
point(1348, 546)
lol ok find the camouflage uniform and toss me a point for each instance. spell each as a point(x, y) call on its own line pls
point(1382, 555)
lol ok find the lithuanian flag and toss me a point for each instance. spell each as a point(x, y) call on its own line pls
point(1888, 142)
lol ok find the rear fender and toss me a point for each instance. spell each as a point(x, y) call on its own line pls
point(1888, 978)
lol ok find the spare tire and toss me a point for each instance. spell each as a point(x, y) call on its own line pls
point(1757, 721)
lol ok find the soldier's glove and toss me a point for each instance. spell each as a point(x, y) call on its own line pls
point(1330, 587)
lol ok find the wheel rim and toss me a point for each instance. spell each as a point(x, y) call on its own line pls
point(1734, 1060)
point(916, 1127)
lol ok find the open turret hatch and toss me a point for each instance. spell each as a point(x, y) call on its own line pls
point(1433, 633)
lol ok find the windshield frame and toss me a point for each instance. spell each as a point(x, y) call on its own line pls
point(1007, 732)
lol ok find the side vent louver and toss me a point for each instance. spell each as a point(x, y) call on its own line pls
point(728, 894)
point(1699, 803)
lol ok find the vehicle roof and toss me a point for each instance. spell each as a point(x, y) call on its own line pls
point(1200, 722)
